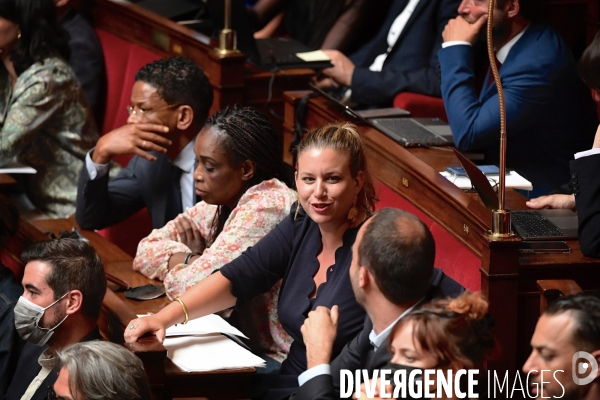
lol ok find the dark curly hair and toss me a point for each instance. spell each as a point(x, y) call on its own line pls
point(246, 134)
point(41, 35)
point(179, 81)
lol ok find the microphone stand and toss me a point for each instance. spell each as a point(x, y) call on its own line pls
point(227, 38)
point(501, 216)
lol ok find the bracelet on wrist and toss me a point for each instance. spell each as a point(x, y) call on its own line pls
point(184, 310)
point(189, 257)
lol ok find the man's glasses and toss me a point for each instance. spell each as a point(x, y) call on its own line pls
point(138, 112)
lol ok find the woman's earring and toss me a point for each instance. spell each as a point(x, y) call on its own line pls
point(353, 213)
point(19, 36)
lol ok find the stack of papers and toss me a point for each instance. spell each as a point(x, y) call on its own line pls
point(200, 346)
point(209, 353)
point(15, 167)
point(513, 180)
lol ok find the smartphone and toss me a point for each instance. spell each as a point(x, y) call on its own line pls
point(457, 171)
point(384, 113)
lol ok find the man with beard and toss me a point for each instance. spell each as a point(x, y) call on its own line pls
point(64, 285)
point(569, 325)
point(391, 274)
point(549, 113)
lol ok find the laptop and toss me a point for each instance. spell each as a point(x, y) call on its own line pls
point(270, 53)
point(408, 132)
point(529, 224)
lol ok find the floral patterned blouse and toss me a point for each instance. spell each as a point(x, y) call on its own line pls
point(46, 123)
point(258, 211)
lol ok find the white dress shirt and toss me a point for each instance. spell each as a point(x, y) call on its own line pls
point(394, 33)
point(184, 161)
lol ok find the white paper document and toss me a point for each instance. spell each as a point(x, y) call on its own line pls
point(201, 326)
point(209, 353)
point(513, 180)
point(312, 56)
point(15, 167)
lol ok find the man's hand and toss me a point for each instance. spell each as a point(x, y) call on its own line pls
point(459, 29)
point(132, 138)
point(342, 70)
point(319, 332)
point(189, 234)
point(553, 201)
point(380, 392)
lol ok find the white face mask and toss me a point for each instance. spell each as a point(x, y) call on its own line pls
point(27, 319)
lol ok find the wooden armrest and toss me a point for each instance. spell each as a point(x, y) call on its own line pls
point(552, 288)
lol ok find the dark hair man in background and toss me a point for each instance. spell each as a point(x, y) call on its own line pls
point(170, 103)
point(64, 285)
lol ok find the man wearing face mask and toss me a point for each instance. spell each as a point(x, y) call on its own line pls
point(391, 273)
point(64, 285)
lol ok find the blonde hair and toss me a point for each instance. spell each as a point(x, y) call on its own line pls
point(346, 137)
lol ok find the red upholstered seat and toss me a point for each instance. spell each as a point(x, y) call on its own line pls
point(454, 258)
point(123, 59)
point(421, 106)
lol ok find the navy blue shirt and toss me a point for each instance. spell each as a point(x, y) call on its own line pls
point(290, 252)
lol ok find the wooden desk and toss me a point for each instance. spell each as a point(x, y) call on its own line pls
point(166, 378)
point(508, 279)
point(6, 182)
point(233, 80)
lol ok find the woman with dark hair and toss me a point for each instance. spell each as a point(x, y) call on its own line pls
point(242, 200)
point(310, 250)
point(44, 118)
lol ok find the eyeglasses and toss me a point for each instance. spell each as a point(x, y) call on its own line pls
point(140, 113)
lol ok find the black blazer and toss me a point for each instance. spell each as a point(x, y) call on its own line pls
point(143, 183)
point(586, 188)
point(356, 353)
point(87, 61)
point(28, 368)
point(412, 64)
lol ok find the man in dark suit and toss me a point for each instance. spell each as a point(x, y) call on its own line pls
point(585, 185)
point(64, 286)
point(170, 103)
point(87, 58)
point(548, 110)
point(391, 274)
point(401, 57)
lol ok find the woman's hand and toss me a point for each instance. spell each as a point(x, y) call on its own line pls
point(140, 326)
point(189, 234)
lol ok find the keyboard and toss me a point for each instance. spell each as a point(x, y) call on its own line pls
point(531, 224)
point(408, 131)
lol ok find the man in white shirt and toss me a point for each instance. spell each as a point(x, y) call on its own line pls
point(548, 111)
point(170, 103)
point(401, 57)
point(391, 273)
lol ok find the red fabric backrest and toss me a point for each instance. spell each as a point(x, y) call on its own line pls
point(123, 59)
point(454, 258)
point(421, 106)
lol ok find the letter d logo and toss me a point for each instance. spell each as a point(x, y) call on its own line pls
point(582, 367)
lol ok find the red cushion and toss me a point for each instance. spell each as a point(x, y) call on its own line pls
point(421, 106)
point(123, 59)
point(454, 258)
